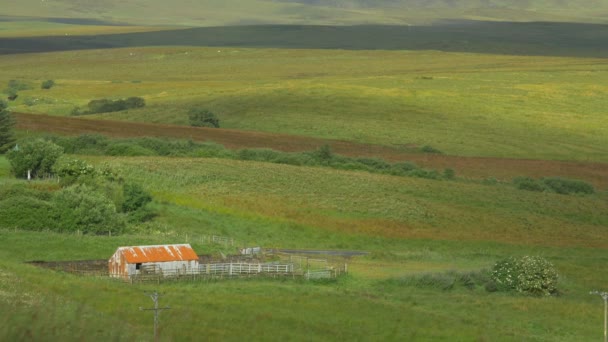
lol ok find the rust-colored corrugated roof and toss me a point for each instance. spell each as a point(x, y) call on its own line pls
point(158, 253)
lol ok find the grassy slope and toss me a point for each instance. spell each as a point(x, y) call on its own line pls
point(462, 104)
point(412, 225)
point(503, 169)
point(230, 12)
point(358, 203)
point(249, 202)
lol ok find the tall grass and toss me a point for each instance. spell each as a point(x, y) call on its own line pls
point(370, 204)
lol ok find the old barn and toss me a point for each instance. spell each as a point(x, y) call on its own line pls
point(159, 259)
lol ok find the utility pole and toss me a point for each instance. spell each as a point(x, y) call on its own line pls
point(154, 295)
point(604, 296)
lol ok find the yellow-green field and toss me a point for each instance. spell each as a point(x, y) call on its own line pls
point(461, 104)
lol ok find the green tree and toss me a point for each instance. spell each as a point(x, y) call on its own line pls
point(36, 156)
point(79, 207)
point(135, 197)
point(7, 123)
point(203, 118)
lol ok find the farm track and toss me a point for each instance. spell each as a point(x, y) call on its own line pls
point(471, 167)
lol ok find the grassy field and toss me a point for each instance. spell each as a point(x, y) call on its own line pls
point(461, 104)
point(410, 226)
point(479, 169)
point(497, 98)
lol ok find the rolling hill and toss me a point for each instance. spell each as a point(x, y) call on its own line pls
point(479, 91)
point(343, 12)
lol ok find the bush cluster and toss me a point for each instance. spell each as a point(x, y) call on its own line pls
point(107, 105)
point(323, 156)
point(48, 84)
point(77, 207)
point(558, 185)
point(7, 125)
point(92, 200)
point(203, 118)
point(528, 274)
point(37, 157)
point(14, 86)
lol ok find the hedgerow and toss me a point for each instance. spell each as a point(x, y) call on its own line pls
point(558, 185)
point(323, 156)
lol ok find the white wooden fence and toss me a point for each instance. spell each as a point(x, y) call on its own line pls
point(238, 268)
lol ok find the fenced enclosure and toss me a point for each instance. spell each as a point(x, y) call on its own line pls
point(291, 267)
point(226, 270)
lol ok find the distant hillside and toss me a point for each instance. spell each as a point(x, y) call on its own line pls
point(520, 4)
point(335, 12)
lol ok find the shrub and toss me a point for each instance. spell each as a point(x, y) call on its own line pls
point(422, 173)
point(449, 173)
point(25, 191)
point(27, 212)
point(556, 184)
point(48, 84)
point(135, 197)
point(106, 105)
point(203, 118)
point(135, 102)
point(66, 166)
point(374, 163)
point(79, 207)
point(128, 149)
point(77, 111)
point(82, 144)
point(402, 168)
point(17, 85)
point(528, 274)
point(429, 149)
point(13, 87)
point(324, 154)
point(37, 156)
point(568, 186)
point(11, 94)
point(258, 154)
point(69, 170)
point(7, 124)
point(530, 184)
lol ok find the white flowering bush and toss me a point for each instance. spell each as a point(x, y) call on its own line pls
point(528, 274)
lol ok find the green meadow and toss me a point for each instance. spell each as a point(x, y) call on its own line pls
point(459, 103)
point(411, 227)
point(490, 88)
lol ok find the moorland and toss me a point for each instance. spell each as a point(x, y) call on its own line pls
point(418, 144)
